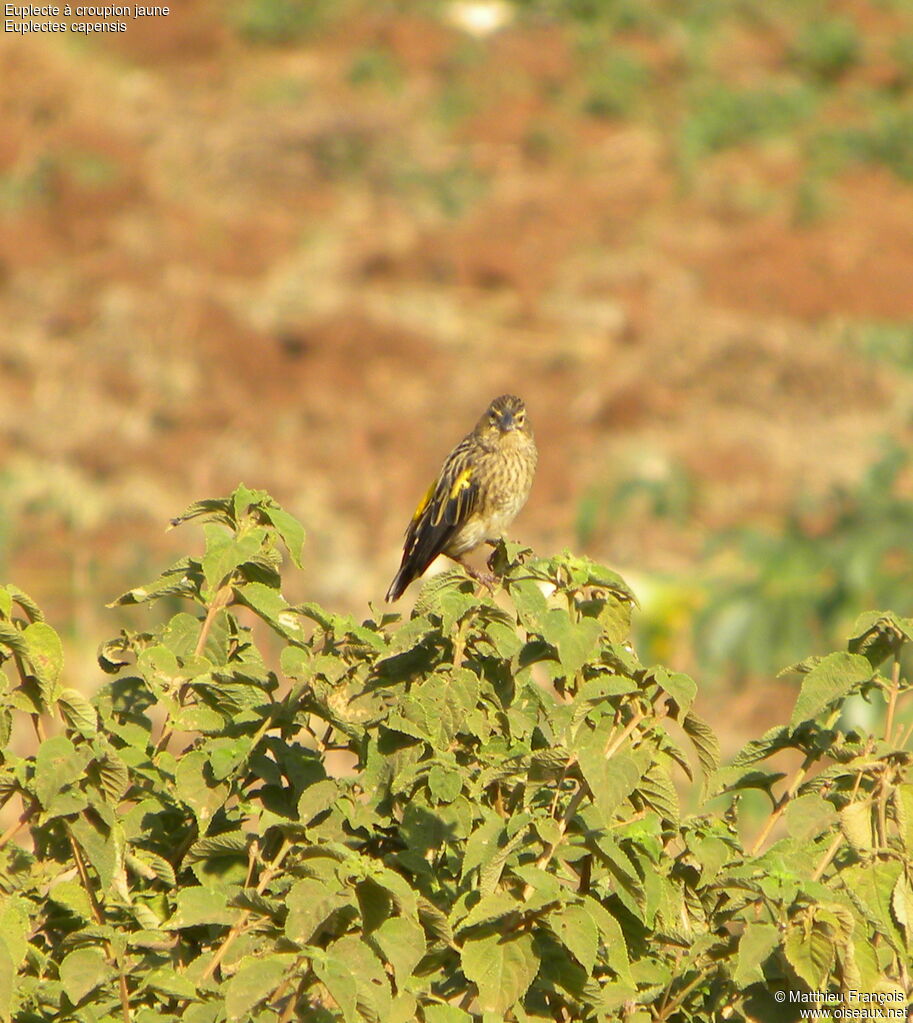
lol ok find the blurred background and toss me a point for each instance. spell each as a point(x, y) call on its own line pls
point(302, 243)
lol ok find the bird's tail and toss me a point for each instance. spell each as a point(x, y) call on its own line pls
point(401, 580)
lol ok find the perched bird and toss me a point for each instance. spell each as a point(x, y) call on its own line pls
point(482, 485)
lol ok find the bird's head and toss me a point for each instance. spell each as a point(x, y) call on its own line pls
point(502, 417)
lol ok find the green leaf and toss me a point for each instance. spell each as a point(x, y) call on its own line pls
point(103, 846)
point(13, 639)
point(256, 978)
point(835, 677)
point(856, 825)
point(58, 765)
point(199, 905)
point(902, 904)
point(445, 1014)
point(78, 713)
point(317, 798)
point(45, 653)
point(808, 816)
point(14, 927)
point(501, 967)
point(310, 904)
point(444, 783)
point(7, 982)
point(482, 844)
point(682, 688)
point(271, 606)
point(169, 982)
point(81, 971)
point(757, 942)
point(374, 997)
point(340, 982)
point(610, 781)
point(225, 553)
point(289, 528)
point(574, 641)
point(195, 785)
point(576, 930)
point(903, 805)
point(810, 951)
point(490, 907)
point(402, 943)
point(705, 742)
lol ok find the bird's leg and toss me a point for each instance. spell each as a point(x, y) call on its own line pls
point(488, 579)
point(493, 544)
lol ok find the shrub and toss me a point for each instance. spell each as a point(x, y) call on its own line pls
point(514, 839)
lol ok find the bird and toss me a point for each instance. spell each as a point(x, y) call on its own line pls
point(482, 485)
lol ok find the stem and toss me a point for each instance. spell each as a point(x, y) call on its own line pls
point(220, 600)
point(614, 746)
point(16, 826)
point(828, 856)
point(99, 918)
point(838, 838)
point(782, 803)
point(563, 824)
point(238, 925)
point(892, 698)
point(677, 1001)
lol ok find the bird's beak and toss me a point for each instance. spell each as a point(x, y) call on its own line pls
point(508, 422)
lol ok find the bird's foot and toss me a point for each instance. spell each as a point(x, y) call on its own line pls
point(488, 579)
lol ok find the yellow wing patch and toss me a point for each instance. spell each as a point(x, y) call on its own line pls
point(460, 483)
point(423, 504)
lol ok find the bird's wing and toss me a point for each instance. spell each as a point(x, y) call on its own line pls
point(447, 504)
point(451, 499)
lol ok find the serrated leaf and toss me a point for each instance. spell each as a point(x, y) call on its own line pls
point(373, 995)
point(444, 783)
point(169, 982)
point(310, 904)
point(903, 808)
point(490, 907)
point(103, 846)
point(576, 929)
point(402, 943)
point(501, 967)
point(482, 844)
point(32, 611)
point(225, 553)
point(340, 982)
point(289, 528)
point(809, 815)
point(195, 785)
point(81, 971)
point(317, 798)
point(269, 604)
point(255, 979)
point(200, 905)
point(7, 983)
point(78, 713)
point(902, 904)
point(757, 942)
point(58, 764)
point(856, 825)
point(45, 654)
point(574, 641)
point(833, 678)
point(13, 639)
point(445, 1014)
point(810, 951)
point(610, 781)
point(681, 687)
point(705, 742)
